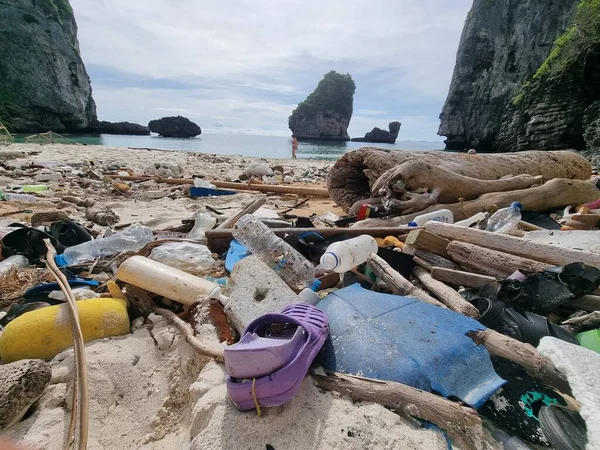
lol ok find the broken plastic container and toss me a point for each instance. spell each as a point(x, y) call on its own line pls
point(292, 267)
point(167, 281)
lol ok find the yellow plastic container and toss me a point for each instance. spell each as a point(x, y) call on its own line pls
point(44, 333)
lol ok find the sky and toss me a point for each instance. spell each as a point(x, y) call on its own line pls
point(243, 65)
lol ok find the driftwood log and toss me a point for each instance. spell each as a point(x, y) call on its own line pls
point(460, 422)
point(556, 193)
point(443, 177)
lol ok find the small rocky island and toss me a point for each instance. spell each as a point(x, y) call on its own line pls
point(326, 113)
point(379, 136)
point(127, 128)
point(175, 126)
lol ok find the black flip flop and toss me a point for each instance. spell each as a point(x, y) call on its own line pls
point(564, 428)
point(28, 242)
point(529, 327)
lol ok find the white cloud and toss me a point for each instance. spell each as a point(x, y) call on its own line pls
point(263, 56)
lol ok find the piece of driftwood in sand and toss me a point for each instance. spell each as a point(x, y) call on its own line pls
point(556, 193)
point(460, 422)
point(420, 179)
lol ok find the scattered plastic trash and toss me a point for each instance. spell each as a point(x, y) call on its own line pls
point(590, 339)
point(344, 255)
point(13, 262)
point(202, 183)
point(564, 428)
point(29, 242)
point(472, 220)
point(191, 258)
point(203, 221)
point(291, 266)
point(258, 170)
point(235, 253)
point(542, 292)
point(442, 215)
point(505, 218)
point(131, 239)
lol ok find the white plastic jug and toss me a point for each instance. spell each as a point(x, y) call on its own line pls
point(441, 215)
point(344, 255)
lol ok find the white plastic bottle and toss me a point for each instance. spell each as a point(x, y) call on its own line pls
point(130, 239)
point(505, 218)
point(292, 267)
point(344, 255)
point(167, 281)
point(442, 215)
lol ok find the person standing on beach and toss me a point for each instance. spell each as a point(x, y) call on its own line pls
point(294, 146)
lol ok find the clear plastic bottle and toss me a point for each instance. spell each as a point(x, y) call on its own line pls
point(344, 255)
point(292, 267)
point(130, 239)
point(505, 218)
point(24, 198)
point(204, 221)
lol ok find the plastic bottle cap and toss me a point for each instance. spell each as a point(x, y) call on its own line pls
point(412, 224)
point(60, 260)
point(329, 261)
point(517, 205)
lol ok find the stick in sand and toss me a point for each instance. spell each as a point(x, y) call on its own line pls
point(80, 404)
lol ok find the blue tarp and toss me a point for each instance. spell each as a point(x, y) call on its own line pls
point(389, 337)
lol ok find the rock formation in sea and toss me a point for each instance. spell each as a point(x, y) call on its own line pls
point(503, 45)
point(43, 82)
point(379, 136)
point(126, 128)
point(175, 126)
point(326, 112)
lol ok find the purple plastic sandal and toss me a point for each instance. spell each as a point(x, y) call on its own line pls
point(272, 358)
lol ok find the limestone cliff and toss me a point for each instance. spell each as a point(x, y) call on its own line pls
point(326, 112)
point(503, 44)
point(43, 82)
point(559, 105)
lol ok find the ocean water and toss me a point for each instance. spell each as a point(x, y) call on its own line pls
point(247, 145)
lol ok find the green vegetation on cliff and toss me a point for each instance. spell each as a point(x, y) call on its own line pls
point(571, 47)
point(59, 9)
point(335, 92)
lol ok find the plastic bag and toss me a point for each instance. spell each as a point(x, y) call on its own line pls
point(191, 258)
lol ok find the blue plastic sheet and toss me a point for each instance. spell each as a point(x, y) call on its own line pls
point(389, 337)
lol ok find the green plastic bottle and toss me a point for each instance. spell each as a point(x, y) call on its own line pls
point(35, 188)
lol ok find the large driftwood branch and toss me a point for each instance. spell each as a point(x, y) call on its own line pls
point(452, 186)
point(550, 254)
point(556, 193)
point(188, 334)
point(353, 175)
point(491, 262)
point(397, 283)
point(446, 294)
point(523, 354)
point(460, 422)
point(497, 344)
